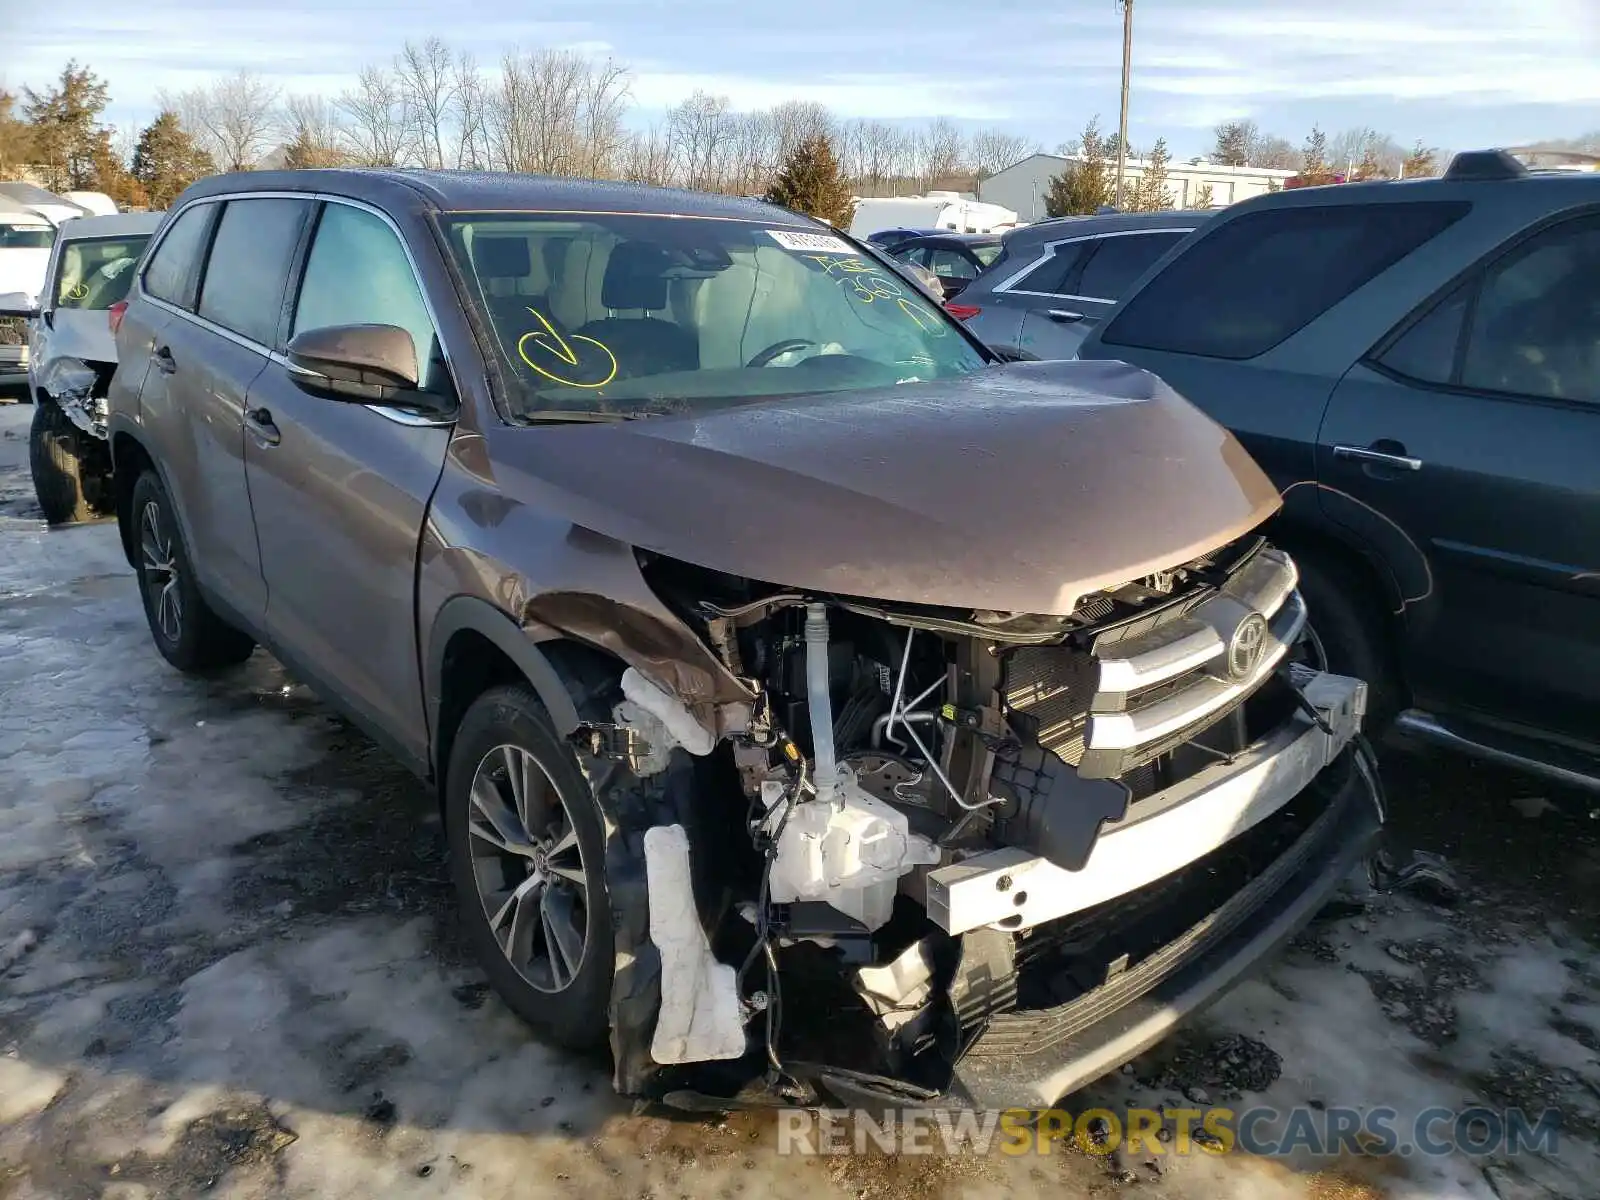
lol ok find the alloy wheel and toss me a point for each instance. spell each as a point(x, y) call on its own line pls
point(529, 868)
point(160, 574)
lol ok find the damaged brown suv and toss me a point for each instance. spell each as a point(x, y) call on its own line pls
point(819, 708)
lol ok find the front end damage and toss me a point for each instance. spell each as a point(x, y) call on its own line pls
point(972, 858)
point(79, 387)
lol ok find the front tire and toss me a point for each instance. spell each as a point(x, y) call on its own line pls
point(59, 459)
point(527, 857)
point(186, 630)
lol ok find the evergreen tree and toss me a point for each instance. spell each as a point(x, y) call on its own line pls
point(1082, 187)
point(167, 160)
point(1233, 143)
point(1150, 192)
point(66, 128)
point(1203, 197)
point(16, 136)
point(1421, 163)
point(810, 182)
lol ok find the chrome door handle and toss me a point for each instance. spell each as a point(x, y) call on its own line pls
point(259, 422)
point(1403, 462)
point(1063, 315)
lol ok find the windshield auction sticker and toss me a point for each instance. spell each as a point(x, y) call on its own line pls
point(814, 243)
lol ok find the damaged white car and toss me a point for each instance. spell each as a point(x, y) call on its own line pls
point(71, 355)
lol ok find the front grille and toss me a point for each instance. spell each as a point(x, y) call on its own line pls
point(1053, 687)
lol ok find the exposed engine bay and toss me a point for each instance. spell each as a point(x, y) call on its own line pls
point(962, 834)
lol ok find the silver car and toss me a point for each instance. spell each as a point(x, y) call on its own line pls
point(71, 356)
point(1057, 279)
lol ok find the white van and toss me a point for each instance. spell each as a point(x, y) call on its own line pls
point(25, 241)
point(936, 210)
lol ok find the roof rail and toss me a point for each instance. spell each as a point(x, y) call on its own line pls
point(1482, 165)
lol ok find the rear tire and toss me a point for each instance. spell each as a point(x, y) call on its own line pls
point(1350, 632)
point(57, 455)
point(558, 838)
point(186, 630)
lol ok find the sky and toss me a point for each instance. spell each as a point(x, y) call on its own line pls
point(1453, 73)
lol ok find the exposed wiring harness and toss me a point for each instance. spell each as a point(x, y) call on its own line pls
point(1427, 567)
point(766, 832)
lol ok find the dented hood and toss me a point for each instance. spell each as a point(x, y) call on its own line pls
point(1020, 488)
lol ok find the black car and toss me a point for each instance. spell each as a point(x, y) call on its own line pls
point(956, 258)
point(1417, 366)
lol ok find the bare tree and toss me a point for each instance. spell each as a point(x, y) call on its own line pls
point(471, 98)
point(378, 125)
point(1277, 153)
point(234, 119)
point(1364, 153)
point(796, 121)
point(557, 112)
point(752, 153)
point(315, 139)
point(993, 150)
point(880, 150)
point(428, 81)
point(701, 131)
point(603, 98)
point(647, 157)
point(940, 149)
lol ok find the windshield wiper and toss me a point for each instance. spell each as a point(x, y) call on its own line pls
point(576, 416)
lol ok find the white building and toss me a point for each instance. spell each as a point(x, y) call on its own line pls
point(1023, 185)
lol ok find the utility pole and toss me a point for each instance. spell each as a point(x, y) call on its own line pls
point(1122, 124)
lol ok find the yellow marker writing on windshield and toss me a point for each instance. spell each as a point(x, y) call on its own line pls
point(552, 346)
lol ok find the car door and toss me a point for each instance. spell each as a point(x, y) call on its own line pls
point(1476, 427)
point(997, 311)
point(1106, 267)
point(340, 489)
point(203, 359)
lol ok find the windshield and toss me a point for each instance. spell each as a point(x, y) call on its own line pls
point(602, 314)
point(26, 237)
point(95, 273)
point(986, 254)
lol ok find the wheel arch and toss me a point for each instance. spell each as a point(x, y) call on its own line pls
point(474, 646)
point(129, 459)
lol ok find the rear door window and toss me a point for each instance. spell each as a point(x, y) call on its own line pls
point(249, 266)
point(174, 266)
point(1118, 261)
point(1053, 276)
point(1536, 327)
point(1257, 280)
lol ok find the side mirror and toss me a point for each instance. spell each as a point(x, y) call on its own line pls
point(18, 304)
point(367, 364)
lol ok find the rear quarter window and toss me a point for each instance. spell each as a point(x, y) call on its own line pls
point(1255, 281)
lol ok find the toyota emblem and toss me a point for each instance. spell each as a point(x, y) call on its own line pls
point(1245, 646)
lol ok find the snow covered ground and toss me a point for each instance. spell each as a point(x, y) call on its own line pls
point(228, 965)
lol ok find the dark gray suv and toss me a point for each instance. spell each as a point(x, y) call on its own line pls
point(1056, 280)
point(818, 706)
point(1417, 365)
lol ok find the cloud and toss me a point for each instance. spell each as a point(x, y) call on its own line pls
point(1450, 69)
